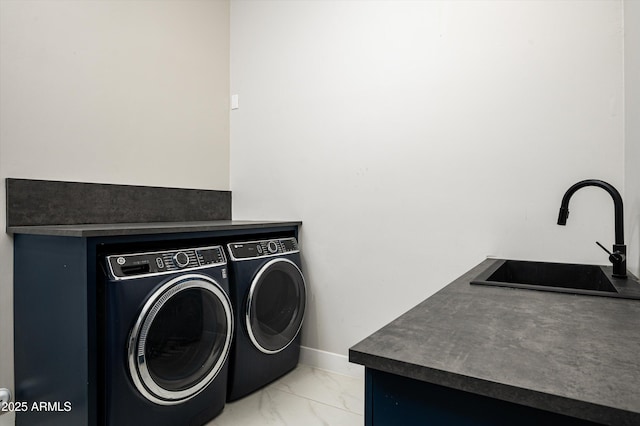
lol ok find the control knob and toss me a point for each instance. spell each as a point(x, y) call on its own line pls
point(272, 247)
point(181, 259)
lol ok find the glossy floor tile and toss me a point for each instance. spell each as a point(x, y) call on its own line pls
point(306, 396)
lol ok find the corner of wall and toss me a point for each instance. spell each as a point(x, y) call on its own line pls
point(632, 131)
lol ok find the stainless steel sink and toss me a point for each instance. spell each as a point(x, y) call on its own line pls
point(559, 277)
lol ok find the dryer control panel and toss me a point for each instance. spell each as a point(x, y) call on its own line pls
point(264, 248)
point(136, 265)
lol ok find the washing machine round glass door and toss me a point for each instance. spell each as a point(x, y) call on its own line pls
point(181, 339)
point(275, 305)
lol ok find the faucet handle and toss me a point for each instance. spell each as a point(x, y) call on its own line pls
point(615, 257)
point(604, 248)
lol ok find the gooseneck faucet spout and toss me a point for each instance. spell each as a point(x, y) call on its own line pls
point(619, 256)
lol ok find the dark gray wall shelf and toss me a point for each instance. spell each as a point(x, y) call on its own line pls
point(42, 202)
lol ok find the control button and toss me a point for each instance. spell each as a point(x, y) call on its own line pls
point(273, 247)
point(121, 260)
point(181, 259)
point(259, 249)
point(159, 262)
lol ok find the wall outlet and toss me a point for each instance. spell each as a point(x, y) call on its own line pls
point(5, 398)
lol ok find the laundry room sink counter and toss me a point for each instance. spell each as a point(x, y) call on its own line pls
point(145, 228)
point(575, 355)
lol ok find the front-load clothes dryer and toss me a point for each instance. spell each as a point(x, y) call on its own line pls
point(168, 326)
point(269, 298)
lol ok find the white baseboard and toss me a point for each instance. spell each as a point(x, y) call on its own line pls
point(330, 361)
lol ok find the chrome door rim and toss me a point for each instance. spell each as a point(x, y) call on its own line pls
point(137, 339)
point(250, 297)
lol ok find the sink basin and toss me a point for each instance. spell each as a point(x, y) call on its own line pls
point(558, 277)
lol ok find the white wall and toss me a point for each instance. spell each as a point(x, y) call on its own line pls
point(632, 130)
point(415, 138)
point(412, 138)
point(128, 92)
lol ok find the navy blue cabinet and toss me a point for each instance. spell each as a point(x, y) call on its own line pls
point(58, 312)
point(395, 400)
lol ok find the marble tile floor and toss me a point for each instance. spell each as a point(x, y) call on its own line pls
point(306, 396)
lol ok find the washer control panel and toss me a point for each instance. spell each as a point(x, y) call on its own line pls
point(135, 265)
point(264, 248)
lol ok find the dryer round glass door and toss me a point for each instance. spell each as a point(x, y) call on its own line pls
point(181, 339)
point(275, 305)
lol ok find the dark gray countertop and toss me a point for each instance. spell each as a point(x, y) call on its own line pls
point(116, 229)
point(570, 354)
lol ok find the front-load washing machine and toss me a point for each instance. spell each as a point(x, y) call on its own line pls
point(269, 298)
point(168, 326)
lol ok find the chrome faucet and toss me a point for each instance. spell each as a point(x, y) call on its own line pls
point(619, 256)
